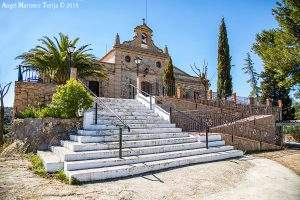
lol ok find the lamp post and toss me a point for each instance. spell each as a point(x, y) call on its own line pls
point(138, 61)
point(70, 50)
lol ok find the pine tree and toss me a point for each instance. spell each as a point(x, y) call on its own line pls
point(224, 83)
point(169, 78)
point(254, 76)
point(279, 49)
point(271, 89)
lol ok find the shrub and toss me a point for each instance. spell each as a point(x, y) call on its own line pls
point(70, 98)
point(48, 112)
point(66, 101)
point(29, 112)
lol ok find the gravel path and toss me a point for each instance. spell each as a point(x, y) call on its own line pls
point(247, 178)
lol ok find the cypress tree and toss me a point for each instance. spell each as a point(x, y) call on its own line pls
point(169, 78)
point(224, 84)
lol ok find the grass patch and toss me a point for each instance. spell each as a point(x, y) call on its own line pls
point(39, 169)
point(60, 175)
point(37, 165)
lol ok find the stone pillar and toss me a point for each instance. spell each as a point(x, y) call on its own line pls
point(280, 105)
point(209, 95)
point(268, 102)
point(234, 97)
point(178, 92)
point(73, 73)
point(251, 101)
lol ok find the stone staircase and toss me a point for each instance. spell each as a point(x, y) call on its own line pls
point(152, 144)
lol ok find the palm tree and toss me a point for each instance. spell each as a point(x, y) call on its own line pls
point(50, 59)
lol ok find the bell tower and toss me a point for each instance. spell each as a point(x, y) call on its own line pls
point(143, 36)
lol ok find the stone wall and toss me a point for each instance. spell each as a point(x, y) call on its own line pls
point(260, 128)
point(32, 94)
point(249, 145)
point(41, 133)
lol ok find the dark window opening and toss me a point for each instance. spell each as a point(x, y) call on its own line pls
point(94, 87)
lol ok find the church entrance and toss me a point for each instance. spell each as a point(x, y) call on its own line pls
point(146, 87)
point(94, 87)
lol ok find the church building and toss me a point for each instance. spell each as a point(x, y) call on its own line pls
point(140, 57)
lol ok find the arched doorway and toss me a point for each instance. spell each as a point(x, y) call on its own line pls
point(94, 87)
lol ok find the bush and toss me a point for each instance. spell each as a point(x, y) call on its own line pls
point(29, 112)
point(70, 98)
point(66, 101)
point(48, 112)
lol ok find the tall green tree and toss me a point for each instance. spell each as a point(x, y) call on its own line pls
point(224, 84)
point(279, 50)
point(51, 60)
point(271, 89)
point(254, 76)
point(169, 78)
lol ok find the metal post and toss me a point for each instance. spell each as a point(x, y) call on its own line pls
point(151, 108)
point(96, 112)
point(120, 142)
point(170, 114)
point(206, 136)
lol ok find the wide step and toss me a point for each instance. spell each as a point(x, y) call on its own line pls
point(77, 146)
point(69, 155)
point(139, 168)
point(97, 163)
point(125, 137)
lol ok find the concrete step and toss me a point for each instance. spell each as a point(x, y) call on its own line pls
point(139, 168)
point(132, 126)
point(132, 121)
point(129, 117)
point(68, 155)
point(107, 162)
point(132, 131)
point(77, 146)
point(125, 109)
point(211, 137)
point(126, 113)
point(52, 162)
point(126, 137)
point(120, 101)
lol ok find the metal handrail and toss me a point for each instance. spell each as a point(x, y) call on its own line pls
point(191, 118)
point(143, 93)
point(98, 99)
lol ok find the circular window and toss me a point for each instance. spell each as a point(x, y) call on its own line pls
point(158, 64)
point(127, 58)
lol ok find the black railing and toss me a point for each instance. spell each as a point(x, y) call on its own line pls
point(31, 74)
point(98, 102)
point(226, 123)
point(186, 122)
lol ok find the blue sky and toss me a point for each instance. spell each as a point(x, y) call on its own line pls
point(188, 27)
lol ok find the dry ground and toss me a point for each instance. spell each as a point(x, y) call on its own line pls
point(252, 177)
point(289, 158)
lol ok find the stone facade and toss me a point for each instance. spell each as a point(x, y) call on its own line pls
point(32, 94)
point(39, 134)
point(122, 69)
